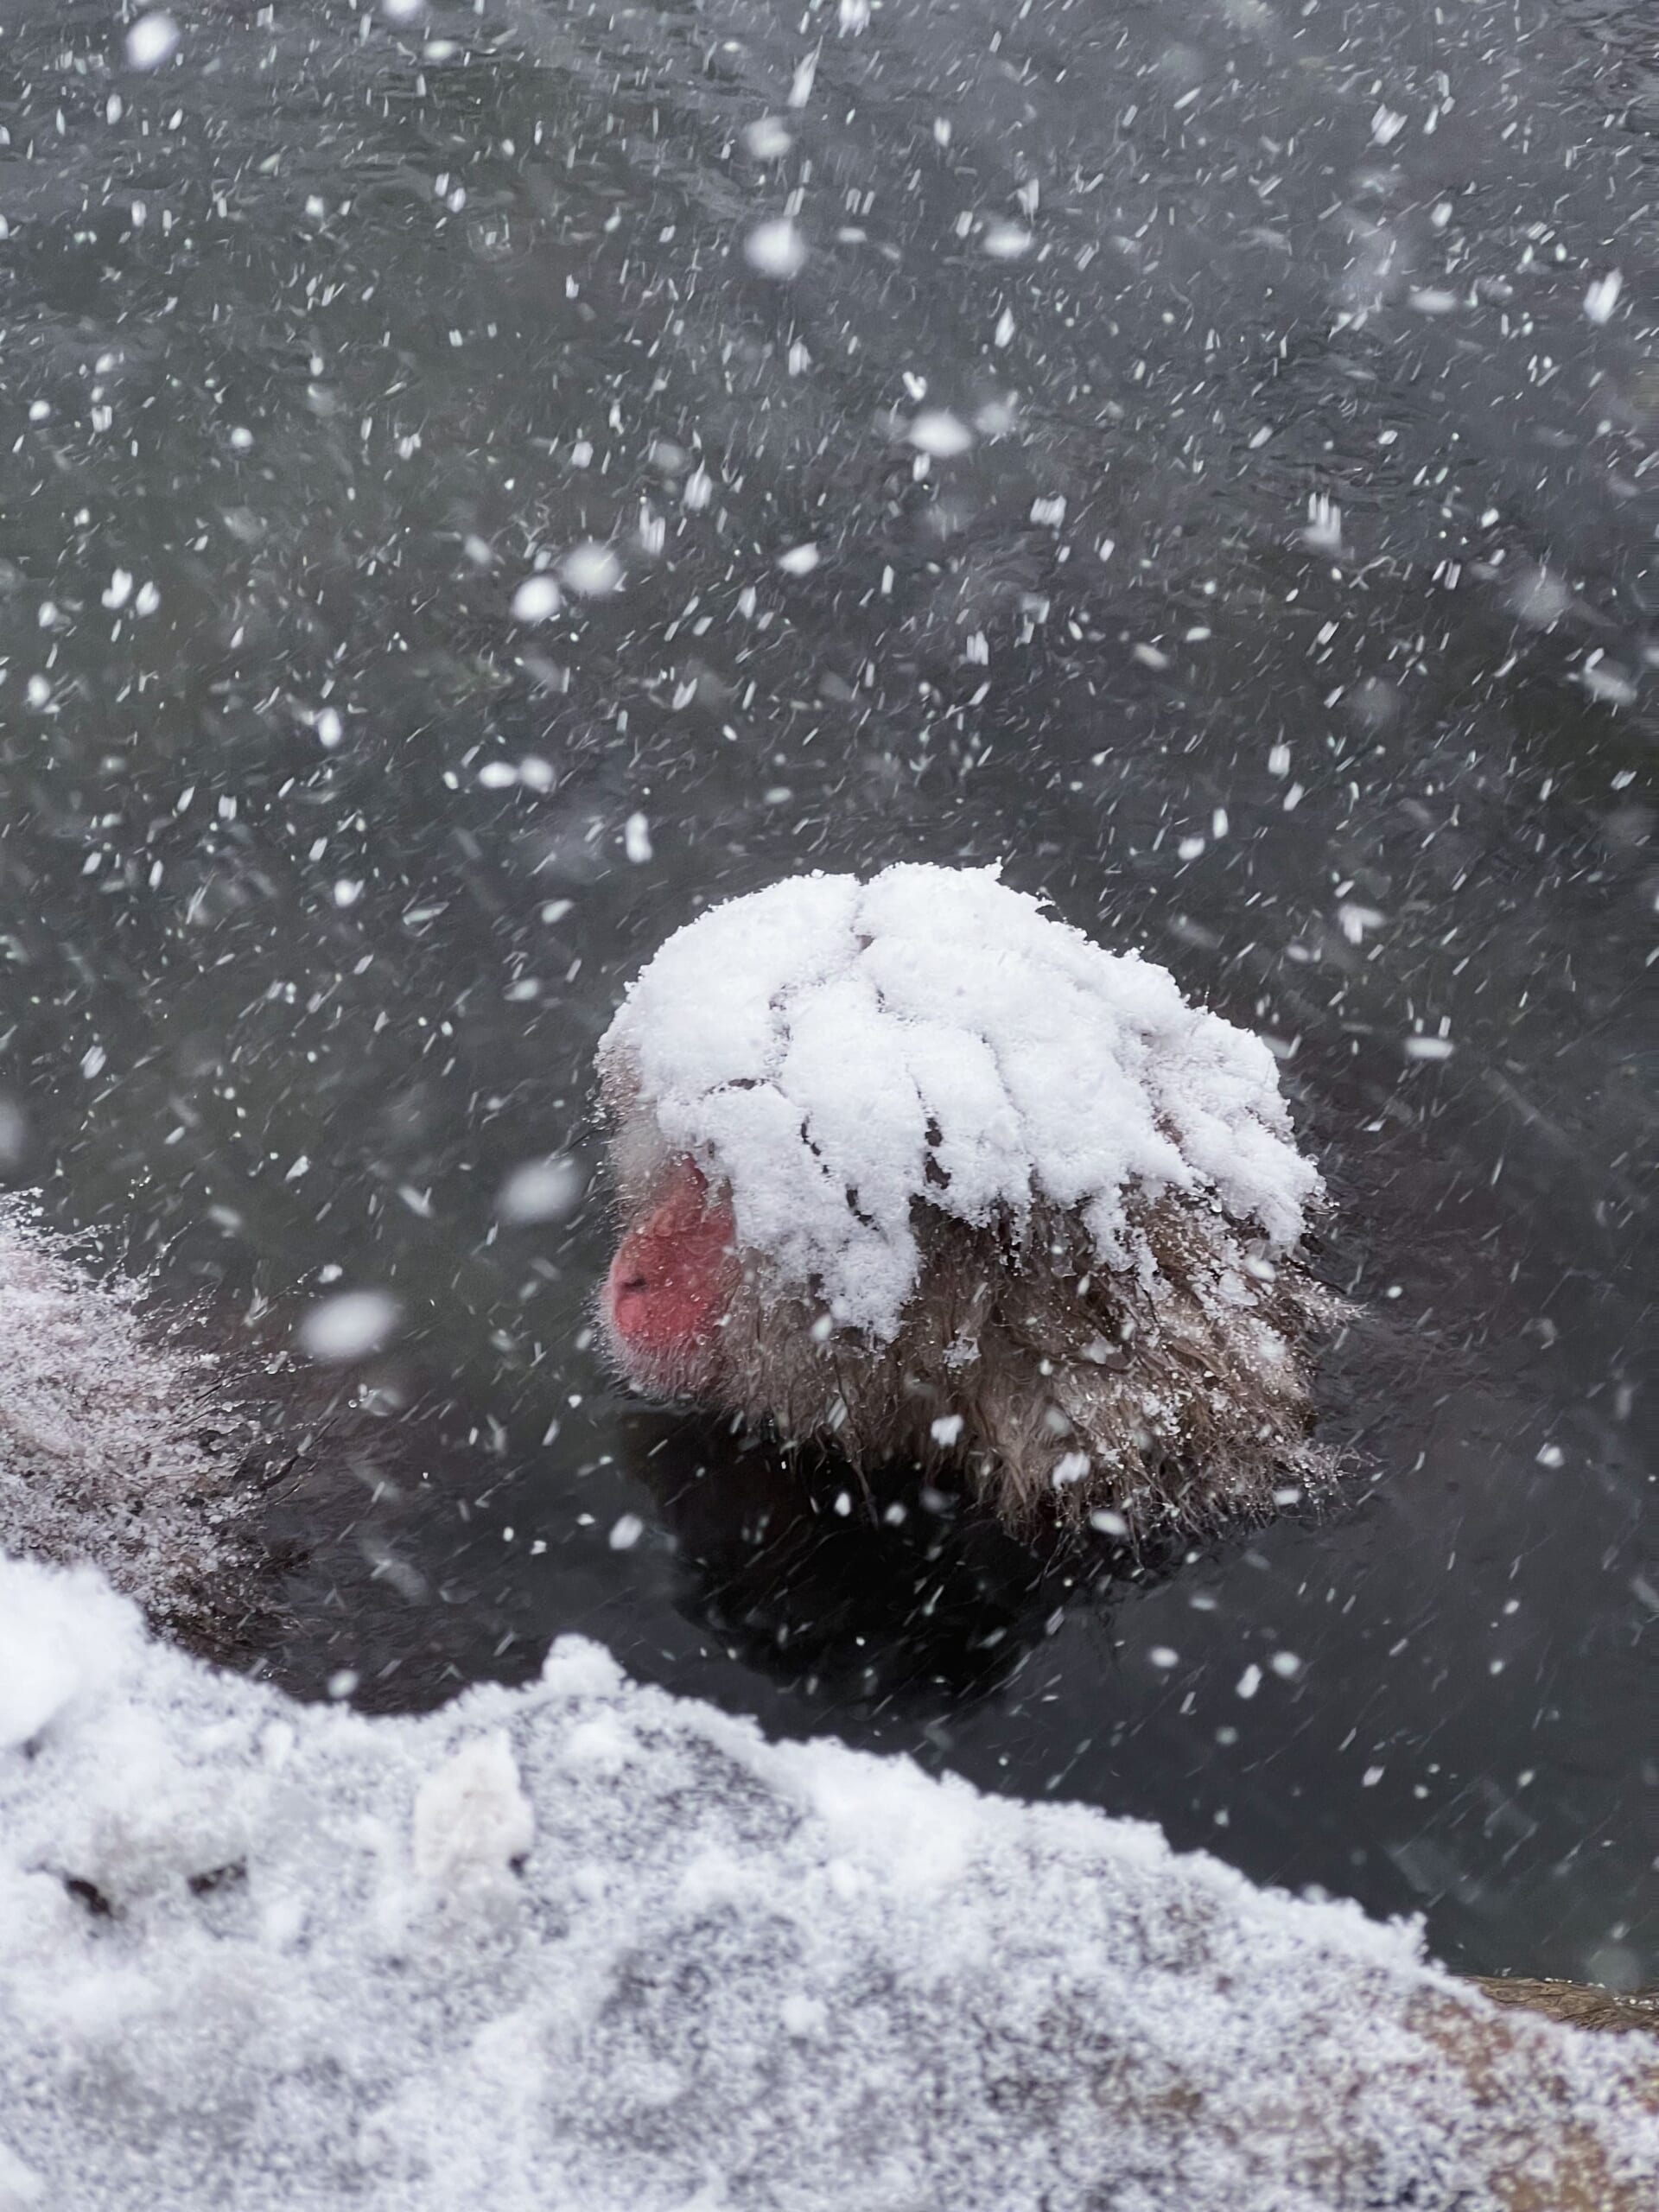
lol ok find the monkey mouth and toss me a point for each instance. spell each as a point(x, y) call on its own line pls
point(649, 1362)
point(626, 1303)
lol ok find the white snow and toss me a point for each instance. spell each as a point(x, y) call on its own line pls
point(776, 248)
point(767, 139)
point(800, 85)
point(112, 1444)
point(938, 432)
point(801, 1042)
point(1603, 296)
point(541, 1190)
point(152, 39)
point(472, 1818)
point(591, 569)
point(536, 599)
point(349, 1326)
point(1006, 241)
point(583, 1946)
point(1323, 532)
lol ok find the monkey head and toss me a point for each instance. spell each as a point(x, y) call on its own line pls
point(911, 1169)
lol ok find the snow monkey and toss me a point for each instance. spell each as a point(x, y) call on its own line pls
point(910, 1168)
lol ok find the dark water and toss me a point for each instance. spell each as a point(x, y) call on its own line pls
point(317, 885)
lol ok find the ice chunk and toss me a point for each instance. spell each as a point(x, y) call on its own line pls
point(472, 1818)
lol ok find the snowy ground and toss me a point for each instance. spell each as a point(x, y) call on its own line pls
point(584, 1945)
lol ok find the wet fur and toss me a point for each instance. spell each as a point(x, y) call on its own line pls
point(1188, 1389)
point(1185, 1378)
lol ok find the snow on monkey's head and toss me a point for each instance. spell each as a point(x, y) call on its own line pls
point(913, 1165)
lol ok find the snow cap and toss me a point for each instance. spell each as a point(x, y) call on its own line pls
point(835, 1051)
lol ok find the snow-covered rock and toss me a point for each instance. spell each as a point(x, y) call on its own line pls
point(117, 1446)
point(583, 1946)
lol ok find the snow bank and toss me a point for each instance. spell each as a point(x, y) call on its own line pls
point(114, 1446)
point(835, 1050)
point(583, 1946)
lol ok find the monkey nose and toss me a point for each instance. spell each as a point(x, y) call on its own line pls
point(629, 1286)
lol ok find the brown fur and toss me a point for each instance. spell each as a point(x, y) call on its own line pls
point(1188, 1397)
point(1185, 1381)
point(1188, 1393)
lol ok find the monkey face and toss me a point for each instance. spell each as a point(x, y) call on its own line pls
point(669, 1288)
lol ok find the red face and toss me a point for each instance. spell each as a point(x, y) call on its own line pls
point(669, 1286)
